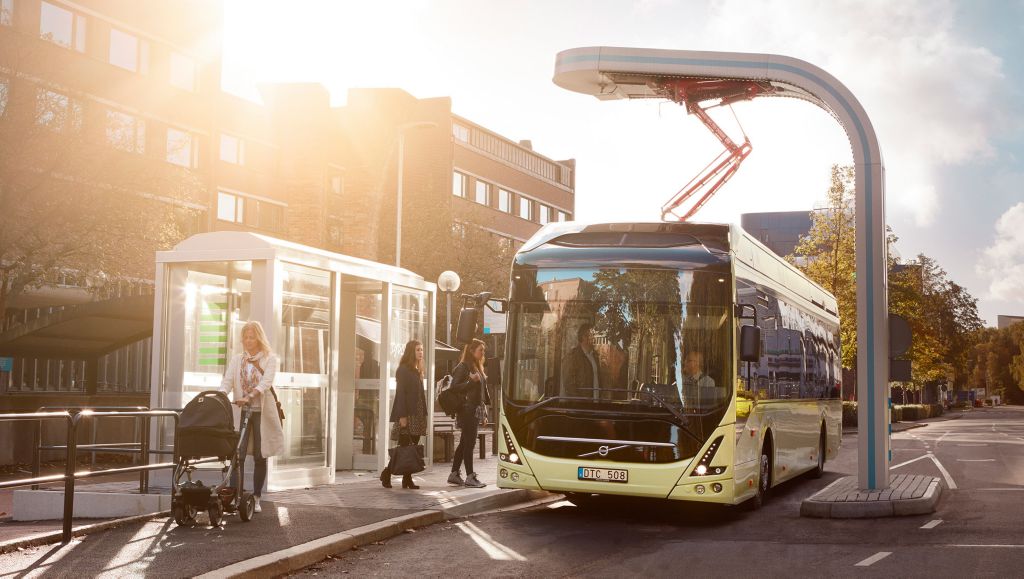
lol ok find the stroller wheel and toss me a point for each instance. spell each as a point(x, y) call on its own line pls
point(184, 515)
point(247, 507)
point(215, 512)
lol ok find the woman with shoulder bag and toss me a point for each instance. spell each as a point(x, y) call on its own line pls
point(469, 379)
point(249, 380)
point(409, 411)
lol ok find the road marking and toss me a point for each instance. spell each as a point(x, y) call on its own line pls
point(991, 546)
point(909, 461)
point(1002, 489)
point(932, 524)
point(972, 445)
point(494, 549)
point(874, 559)
point(944, 435)
point(975, 460)
point(945, 473)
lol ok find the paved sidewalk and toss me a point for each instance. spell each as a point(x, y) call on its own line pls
point(910, 424)
point(159, 548)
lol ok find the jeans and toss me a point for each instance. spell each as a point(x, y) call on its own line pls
point(467, 423)
point(259, 474)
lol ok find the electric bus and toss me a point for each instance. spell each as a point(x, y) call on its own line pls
point(683, 361)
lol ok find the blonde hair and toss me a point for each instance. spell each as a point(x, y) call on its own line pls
point(257, 329)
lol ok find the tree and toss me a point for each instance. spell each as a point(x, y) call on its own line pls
point(81, 193)
point(827, 255)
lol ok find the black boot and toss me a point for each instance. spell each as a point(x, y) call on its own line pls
point(385, 478)
point(407, 482)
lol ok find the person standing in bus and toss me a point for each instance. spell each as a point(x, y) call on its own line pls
point(469, 379)
point(580, 373)
point(698, 388)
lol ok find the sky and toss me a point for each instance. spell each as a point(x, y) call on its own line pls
point(942, 81)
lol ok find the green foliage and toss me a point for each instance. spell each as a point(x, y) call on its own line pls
point(996, 362)
point(943, 317)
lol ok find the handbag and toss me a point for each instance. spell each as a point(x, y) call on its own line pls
point(280, 409)
point(407, 459)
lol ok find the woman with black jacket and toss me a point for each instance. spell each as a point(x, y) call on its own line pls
point(409, 411)
point(469, 379)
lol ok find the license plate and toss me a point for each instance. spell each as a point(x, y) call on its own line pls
point(618, 475)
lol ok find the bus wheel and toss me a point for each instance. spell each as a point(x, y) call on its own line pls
point(764, 478)
point(820, 468)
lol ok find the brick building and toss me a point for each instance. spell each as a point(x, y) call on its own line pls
point(143, 79)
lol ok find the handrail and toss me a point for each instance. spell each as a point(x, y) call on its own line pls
point(72, 420)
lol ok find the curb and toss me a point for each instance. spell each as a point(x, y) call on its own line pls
point(305, 554)
point(910, 425)
point(872, 509)
point(56, 536)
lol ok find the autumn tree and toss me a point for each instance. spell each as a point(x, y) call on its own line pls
point(80, 192)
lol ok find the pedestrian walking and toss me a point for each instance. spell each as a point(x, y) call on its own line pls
point(409, 411)
point(470, 380)
point(249, 380)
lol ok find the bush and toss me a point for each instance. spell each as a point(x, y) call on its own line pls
point(916, 411)
point(849, 413)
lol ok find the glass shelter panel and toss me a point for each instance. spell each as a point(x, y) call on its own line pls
point(366, 407)
point(409, 321)
point(302, 382)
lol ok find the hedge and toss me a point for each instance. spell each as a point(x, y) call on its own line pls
point(900, 412)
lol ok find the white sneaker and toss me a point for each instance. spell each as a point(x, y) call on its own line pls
point(258, 508)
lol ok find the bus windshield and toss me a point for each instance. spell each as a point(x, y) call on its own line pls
point(624, 339)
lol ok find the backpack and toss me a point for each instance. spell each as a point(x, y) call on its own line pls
point(447, 398)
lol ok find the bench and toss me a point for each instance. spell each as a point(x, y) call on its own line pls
point(444, 428)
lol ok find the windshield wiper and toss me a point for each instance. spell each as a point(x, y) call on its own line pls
point(682, 418)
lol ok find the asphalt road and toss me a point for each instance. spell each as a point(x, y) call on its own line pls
point(977, 530)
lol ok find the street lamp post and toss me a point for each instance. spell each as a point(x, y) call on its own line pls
point(448, 282)
point(401, 178)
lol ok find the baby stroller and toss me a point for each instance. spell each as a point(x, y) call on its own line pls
point(206, 430)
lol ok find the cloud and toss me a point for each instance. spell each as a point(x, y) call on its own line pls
point(1002, 263)
point(934, 97)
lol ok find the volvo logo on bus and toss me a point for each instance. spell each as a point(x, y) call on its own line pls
point(603, 450)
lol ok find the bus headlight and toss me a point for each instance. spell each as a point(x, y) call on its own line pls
point(703, 466)
point(513, 454)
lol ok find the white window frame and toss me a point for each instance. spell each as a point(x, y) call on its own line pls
point(126, 132)
point(178, 74)
point(543, 214)
point(460, 132)
point(504, 195)
point(460, 179)
point(6, 12)
point(237, 207)
point(485, 188)
point(77, 24)
point(189, 159)
point(528, 206)
point(232, 153)
point(135, 56)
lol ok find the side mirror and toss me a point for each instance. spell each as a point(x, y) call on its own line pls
point(750, 344)
point(467, 327)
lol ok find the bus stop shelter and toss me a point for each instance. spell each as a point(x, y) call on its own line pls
point(339, 325)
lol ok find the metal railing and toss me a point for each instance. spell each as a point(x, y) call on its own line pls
point(73, 419)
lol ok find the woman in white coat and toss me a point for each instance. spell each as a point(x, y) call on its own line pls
point(249, 380)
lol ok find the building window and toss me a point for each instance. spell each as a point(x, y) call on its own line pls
point(525, 208)
point(459, 230)
point(504, 201)
point(126, 132)
point(128, 52)
point(181, 149)
point(460, 132)
point(6, 12)
point(334, 232)
point(483, 193)
point(337, 184)
point(183, 72)
point(62, 27)
point(232, 150)
point(562, 216)
point(5, 88)
point(230, 207)
point(458, 184)
point(56, 111)
point(542, 214)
